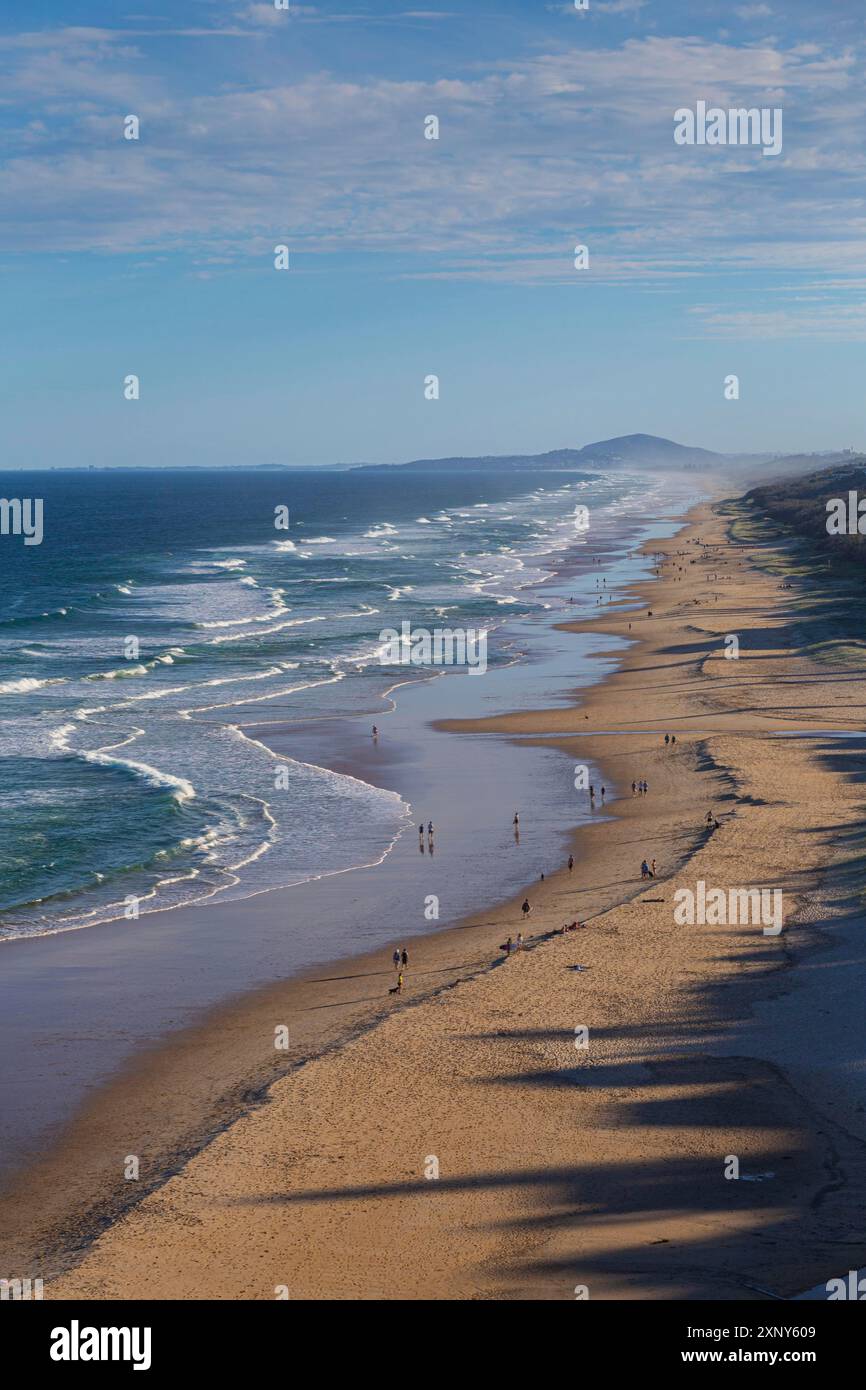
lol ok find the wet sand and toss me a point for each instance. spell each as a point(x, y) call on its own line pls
point(561, 1166)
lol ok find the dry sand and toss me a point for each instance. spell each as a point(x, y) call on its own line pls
point(562, 1167)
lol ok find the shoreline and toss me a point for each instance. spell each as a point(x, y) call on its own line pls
point(546, 564)
point(678, 838)
point(140, 984)
point(153, 1093)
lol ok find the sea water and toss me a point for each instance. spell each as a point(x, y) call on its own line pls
point(164, 613)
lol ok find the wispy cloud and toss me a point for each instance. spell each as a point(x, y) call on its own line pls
point(753, 11)
point(805, 318)
point(262, 13)
point(602, 7)
point(619, 6)
point(268, 14)
point(535, 154)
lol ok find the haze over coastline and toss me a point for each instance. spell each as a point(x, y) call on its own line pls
point(633, 450)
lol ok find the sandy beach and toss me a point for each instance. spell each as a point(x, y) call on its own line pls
point(457, 1141)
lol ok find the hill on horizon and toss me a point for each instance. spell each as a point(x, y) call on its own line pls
point(628, 449)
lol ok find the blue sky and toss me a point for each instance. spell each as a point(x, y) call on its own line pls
point(410, 257)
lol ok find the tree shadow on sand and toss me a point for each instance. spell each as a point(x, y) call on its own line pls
point(675, 1225)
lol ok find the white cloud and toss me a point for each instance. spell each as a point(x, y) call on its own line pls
point(599, 7)
point(753, 11)
point(534, 155)
point(266, 14)
point(811, 319)
point(618, 6)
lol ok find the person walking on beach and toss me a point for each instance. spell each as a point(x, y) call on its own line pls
point(396, 959)
point(602, 793)
point(570, 862)
point(653, 869)
point(507, 948)
point(644, 869)
point(405, 957)
point(526, 909)
point(516, 820)
point(430, 829)
point(633, 788)
point(519, 940)
point(667, 739)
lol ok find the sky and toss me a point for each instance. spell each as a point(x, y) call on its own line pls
point(411, 257)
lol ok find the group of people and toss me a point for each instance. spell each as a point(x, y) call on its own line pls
point(401, 960)
point(512, 945)
point(648, 870)
point(639, 788)
point(670, 738)
point(401, 956)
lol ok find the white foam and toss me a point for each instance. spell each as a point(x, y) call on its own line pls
point(181, 789)
point(119, 673)
point(19, 687)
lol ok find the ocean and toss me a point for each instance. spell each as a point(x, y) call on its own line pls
point(164, 614)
